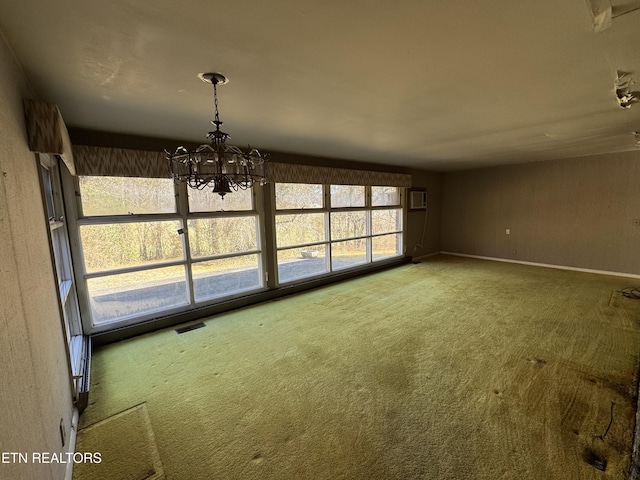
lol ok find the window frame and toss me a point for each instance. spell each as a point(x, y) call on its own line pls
point(54, 205)
point(300, 211)
point(183, 216)
point(327, 209)
point(265, 211)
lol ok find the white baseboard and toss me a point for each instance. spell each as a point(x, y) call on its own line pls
point(427, 255)
point(72, 443)
point(547, 265)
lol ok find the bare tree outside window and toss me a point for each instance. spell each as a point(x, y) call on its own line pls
point(126, 195)
point(206, 201)
point(347, 196)
point(290, 196)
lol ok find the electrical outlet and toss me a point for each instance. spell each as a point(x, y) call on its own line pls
point(508, 231)
point(514, 251)
point(636, 222)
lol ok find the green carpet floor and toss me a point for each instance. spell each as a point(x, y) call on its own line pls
point(127, 444)
point(448, 369)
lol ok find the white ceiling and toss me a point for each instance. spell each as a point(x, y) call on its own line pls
point(440, 85)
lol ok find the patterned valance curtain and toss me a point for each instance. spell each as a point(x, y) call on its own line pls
point(295, 173)
point(122, 162)
point(46, 131)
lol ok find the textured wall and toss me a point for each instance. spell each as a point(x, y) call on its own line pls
point(417, 233)
point(34, 382)
point(575, 212)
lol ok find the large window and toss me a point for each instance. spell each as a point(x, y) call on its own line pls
point(326, 228)
point(149, 247)
point(146, 252)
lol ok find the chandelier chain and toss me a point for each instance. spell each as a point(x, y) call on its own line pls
point(215, 102)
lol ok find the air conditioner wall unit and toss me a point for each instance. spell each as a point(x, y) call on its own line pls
point(417, 200)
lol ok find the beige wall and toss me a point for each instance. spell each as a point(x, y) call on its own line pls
point(575, 212)
point(416, 227)
point(35, 391)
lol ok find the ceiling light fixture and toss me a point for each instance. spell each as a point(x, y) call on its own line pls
point(220, 166)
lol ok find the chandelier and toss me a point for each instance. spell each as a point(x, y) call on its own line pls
point(220, 166)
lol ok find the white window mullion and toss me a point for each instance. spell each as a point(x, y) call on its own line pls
point(182, 206)
point(327, 227)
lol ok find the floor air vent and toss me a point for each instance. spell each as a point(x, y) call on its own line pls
point(188, 328)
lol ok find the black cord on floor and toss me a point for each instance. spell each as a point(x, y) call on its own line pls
point(610, 422)
point(631, 292)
